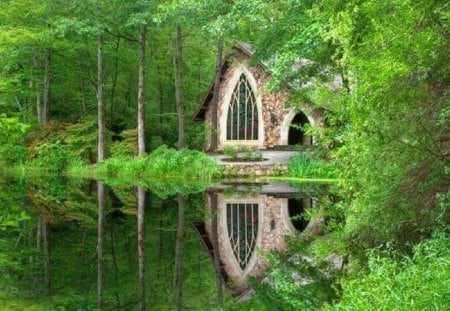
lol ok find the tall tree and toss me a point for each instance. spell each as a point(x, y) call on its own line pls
point(47, 86)
point(178, 277)
point(179, 86)
point(141, 246)
point(215, 99)
point(141, 91)
point(100, 240)
point(47, 263)
point(100, 100)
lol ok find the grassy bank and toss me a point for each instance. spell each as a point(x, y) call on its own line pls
point(162, 163)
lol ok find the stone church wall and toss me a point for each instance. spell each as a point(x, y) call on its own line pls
point(273, 227)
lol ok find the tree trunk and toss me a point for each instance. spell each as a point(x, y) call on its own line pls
point(37, 90)
point(215, 243)
point(100, 239)
point(47, 86)
point(47, 264)
point(141, 246)
point(160, 97)
point(114, 260)
point(141, 92)
point(178, 277)
point(215, 99)
point(179, 87)
point(100, 101)
point(83, 95)
point(114, 84)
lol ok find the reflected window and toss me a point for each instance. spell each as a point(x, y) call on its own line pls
point(242, 120)
point(242, 225)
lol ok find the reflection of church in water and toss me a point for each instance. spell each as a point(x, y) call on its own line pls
point(247, 225)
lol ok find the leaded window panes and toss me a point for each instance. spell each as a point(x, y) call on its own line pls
point(242, 121)
point(242, 225)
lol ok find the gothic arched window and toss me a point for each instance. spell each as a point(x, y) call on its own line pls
point(242, 225)
point(242, 120)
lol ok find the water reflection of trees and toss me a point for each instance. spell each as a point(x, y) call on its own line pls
point(70, 210)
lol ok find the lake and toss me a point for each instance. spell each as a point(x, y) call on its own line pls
point(73, 244)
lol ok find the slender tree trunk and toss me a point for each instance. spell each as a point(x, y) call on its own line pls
point(178, 277)
point(47, 86)
point(215, 243)
point(83, 95)
point(100, 239)
point(114, 83)
point(141, 92)
point(100, 101)
point(161, 100)
point(47, 264)
point(179, 87)
point(141, 246)
point(215, 99)
point(114, 260)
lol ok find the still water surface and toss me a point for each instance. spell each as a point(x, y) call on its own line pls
point(83, 245)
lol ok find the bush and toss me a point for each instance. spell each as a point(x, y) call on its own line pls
point(51, 156)
point(164, 162)
point(308, 166)
point(230, 152)
point(417, 282)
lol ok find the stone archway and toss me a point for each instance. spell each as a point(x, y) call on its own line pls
point(294, 135)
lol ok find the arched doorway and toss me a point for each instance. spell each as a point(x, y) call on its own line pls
point(296, 208)
point(296, 135)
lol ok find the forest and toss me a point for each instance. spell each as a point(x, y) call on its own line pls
point(97, 137)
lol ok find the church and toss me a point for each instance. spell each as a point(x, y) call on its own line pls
point(248, 114)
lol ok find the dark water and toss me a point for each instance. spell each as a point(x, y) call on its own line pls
point(88, 245)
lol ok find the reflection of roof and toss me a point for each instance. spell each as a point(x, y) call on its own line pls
point(201, 231)
point(204, 104)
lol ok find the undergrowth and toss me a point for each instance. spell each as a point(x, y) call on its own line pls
point(162, 163)
point(307, 165)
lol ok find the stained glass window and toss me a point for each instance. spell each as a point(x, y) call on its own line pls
point(242, 121)
point(242, 225)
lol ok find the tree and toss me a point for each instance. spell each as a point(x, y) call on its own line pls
point(100, 100)
point(141, 246)
point(178, 61)
point(141, 91)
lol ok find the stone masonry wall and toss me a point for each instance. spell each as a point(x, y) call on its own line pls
point(273, 229)
point(273, 110)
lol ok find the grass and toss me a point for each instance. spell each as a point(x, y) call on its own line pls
point(417, 282)
point(163, 163)
point(307, 166)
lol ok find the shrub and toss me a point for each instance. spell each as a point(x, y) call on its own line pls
point(308, 166)
point(51, 156)
point(164, 162)
point(417, 282)
point(230, 152)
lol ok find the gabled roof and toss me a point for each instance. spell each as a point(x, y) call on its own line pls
point(204, 104)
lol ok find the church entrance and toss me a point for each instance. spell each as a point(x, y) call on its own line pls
point(297, 134)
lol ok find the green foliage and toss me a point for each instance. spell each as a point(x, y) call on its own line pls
point(70, 209)
point(230, 152)
point(11, 140)
point(51, 156)
point(59, 145)
point(395, 281)
point(282, 292)
point(305, 165)
point(164, 163)
point(126, 145)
